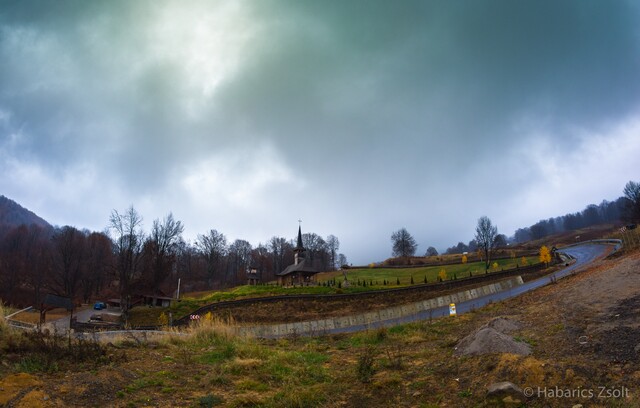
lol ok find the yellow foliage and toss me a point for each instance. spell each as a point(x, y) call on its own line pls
point(442, 274)
point(464, 259)
point(545, 255)
point(163, 320)
point(208, 316)
point(495, 265)
point(524, 261)
point(371, 265)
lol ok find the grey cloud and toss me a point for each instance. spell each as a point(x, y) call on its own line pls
point(379, 108)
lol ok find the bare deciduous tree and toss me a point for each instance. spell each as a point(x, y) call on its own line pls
point(282, 253)
point(486, 234)
point(342, 260)
point(213, 248)
point(333, 245)
point(632, 206)
point(161, 249)
point(99, 263)
point(69, 258)
point(239, 259)
point(403, 243)
point(127, 241)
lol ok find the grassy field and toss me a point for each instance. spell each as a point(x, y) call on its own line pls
point(378, 275)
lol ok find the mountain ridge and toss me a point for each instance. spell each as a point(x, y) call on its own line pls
point(13, 214)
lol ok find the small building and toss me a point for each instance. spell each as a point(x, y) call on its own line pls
point(156, 301)
point(302, 271)
point(253, 278)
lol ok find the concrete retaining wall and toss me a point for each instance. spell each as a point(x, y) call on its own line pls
point(374, 318)
point(423, 289)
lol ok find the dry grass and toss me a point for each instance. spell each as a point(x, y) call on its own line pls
point(3, 323)
point(33, 316)
point(410, 365)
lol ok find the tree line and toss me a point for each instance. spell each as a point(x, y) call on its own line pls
point(124, 260)
point(624, 209)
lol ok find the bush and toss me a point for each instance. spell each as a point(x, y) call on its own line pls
point(210, 400)
point(44, 352)
point(364, 369)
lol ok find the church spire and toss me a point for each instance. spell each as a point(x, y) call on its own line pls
point(298, 251)
point(299, 244)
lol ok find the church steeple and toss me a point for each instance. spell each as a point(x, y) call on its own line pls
point(298, 251)
point(299, 245)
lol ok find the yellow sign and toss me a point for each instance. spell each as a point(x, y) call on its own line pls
point(452, 309)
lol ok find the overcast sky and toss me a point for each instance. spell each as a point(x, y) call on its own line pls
point(358, 117)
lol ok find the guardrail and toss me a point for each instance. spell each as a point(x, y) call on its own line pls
point(595, 241)
point(18, 324)
point(21, 325)
point(19, 311)
point(606, 241)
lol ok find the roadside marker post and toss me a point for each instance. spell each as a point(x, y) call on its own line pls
point(452, 309)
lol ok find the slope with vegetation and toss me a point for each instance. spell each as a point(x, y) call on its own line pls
point(589, 346)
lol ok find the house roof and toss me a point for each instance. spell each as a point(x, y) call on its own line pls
point(53, 301)
point(305, 265)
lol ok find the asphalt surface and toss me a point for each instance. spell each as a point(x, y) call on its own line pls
point(82, 316)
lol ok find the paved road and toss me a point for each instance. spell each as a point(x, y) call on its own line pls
point(81, 315)
point(583, 254)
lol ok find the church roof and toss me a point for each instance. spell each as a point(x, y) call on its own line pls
point(305, 265)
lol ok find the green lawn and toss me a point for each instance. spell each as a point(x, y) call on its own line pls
point(391, 275)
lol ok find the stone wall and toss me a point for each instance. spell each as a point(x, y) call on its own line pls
point(376, 318)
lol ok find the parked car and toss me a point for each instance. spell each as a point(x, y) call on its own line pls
point(100, 306)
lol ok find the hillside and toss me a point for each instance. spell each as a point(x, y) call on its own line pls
point(13, 214)
point(578, 337)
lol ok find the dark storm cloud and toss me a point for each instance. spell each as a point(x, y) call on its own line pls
point(371, 110)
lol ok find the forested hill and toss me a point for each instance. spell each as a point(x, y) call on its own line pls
point(13, 214)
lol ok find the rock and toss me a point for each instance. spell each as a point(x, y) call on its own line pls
point(488, 340)
point(493, 338)
point(503, 325)
point(505, 394)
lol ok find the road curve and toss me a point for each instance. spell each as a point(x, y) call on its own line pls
point(584, 254)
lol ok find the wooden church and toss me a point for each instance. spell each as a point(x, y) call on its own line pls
point(302, 271)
